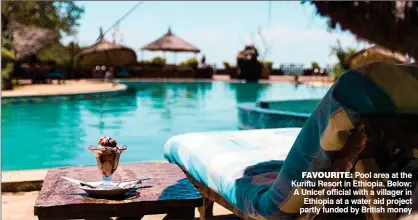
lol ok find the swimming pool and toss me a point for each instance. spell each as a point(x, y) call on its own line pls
point(276, 114)
point(53, 134)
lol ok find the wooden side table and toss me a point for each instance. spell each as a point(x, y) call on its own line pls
point(168, 191)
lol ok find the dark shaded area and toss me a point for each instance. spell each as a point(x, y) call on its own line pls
point(4, 22)
point(392, 24)
point(223, 217)
point(180, 186)
point(38, 71)
point(249, 67)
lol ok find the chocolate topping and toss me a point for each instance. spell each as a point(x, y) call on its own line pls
point(107, 142)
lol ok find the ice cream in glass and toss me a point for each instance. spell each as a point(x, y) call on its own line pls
point(107, 156)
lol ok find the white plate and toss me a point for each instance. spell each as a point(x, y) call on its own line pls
point(106, 189)
point(117, 191)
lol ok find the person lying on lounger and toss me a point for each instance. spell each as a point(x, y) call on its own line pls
point(367, 122)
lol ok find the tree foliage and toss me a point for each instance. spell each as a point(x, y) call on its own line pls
point(61, 54)
point(62, 17)
point(7, 58)
point(391, 24)
point(315, 65)
point(226, 65)
point(158, 61)
point(191, 62)
point(343, 56)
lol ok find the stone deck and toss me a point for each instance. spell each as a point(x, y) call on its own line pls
point(22, 180)
point(71, 87)
point(18, 206)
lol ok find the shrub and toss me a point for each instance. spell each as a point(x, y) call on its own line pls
point(343, 56)
point(144, 62)
point(226, 65)
point(6, 53)
point(158, 61)
point(6, 75)
point(268, 64)
point(315, 65)
point(337, 70)
point(191, 62)
point(7, 59)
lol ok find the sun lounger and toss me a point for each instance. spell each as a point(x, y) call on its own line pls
point(223, 162)
point(366, 108)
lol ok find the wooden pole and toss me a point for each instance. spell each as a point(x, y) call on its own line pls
point(164, 56)
point(142, 55)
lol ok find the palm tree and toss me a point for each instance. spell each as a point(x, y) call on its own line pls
point(343, 56)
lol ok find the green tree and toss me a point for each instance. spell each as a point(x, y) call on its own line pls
point(226, 65)
point(59, 53)
point(7, 58)
point(315, 65)
point(343, 56)
point(62, 16)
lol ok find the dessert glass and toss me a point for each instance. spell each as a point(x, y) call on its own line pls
point(107, 158)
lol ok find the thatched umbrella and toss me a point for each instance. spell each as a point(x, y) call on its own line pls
point(392, 24)
point(376, 54)
point(249, 53)
point(29, 41)
point(250, 68)
point(105, 53)
point(171, 43)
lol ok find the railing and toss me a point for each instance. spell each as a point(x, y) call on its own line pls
point(292, 69)
point(299, 69)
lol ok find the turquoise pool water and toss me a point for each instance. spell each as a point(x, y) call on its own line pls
point(53, 134)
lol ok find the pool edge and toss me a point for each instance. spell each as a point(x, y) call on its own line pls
point(64, 96)
point(251, 116)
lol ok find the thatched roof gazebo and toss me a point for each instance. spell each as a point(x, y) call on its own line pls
point(392, 24)
point(170, 43)
point(29, 41)
point(376, 54)
point(104, 52)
